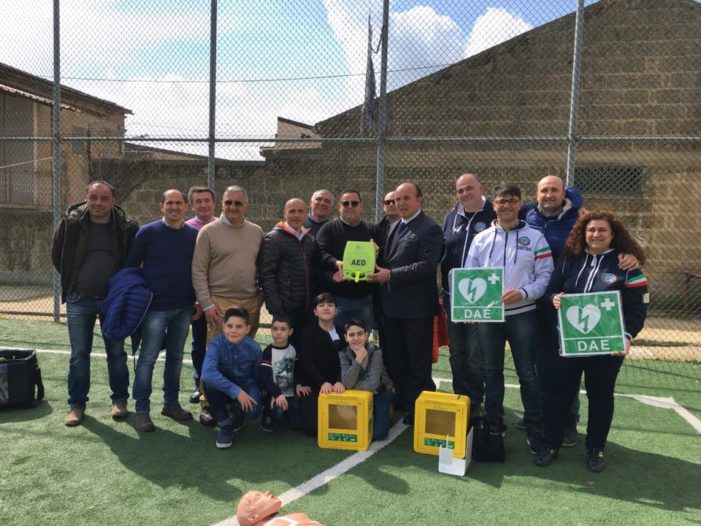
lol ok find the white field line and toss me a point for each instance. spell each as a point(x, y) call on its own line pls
point(330, 474)
point(349, 463)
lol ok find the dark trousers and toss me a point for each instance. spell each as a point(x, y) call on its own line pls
point(299, 319)
point(293, 413)
point(381, 403)
point(466, 361)
point(600, 374)
point(309, 406)
point(547, 352)
point(408, 344)
point(199, 346)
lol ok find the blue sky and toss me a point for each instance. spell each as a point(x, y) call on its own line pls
point(152, 56)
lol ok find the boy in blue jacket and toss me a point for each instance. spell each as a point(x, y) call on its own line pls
point(230, 376)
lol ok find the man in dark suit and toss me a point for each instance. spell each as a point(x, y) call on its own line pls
point(407, 274)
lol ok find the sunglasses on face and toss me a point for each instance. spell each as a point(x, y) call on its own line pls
point(346, 204)
point(389, 202)
point(233, 203)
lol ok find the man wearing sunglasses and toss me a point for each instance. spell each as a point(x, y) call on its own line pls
point(224, 271)
point(352, 299)
point(390, 219)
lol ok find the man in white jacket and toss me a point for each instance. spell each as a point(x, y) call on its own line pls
point(525, 256)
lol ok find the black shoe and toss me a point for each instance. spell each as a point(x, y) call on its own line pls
point(497, 428)
point(570, 438)
point(195, 397)
point(408, 419)
point(535, 444)
point(266, 423)
point(206, 418)
point(595, 460)
point(544, 457)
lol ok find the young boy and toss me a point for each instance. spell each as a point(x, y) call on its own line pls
point(229, 374)
point(362, 369)
point(319, 367)
point(277, 377)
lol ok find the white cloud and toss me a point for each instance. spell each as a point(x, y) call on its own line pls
point(102, 41)
point(496, 25)
point(94, 34)
point(421, 38)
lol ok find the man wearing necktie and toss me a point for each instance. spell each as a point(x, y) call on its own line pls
point(407, 276)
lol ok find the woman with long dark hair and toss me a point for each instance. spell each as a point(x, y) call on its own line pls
point(589, 263)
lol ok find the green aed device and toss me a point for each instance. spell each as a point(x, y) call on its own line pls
point(358, 260)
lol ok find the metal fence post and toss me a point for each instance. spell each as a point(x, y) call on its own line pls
point(56, 135)
point(574, 95)
point(212, 93)
point(380, 162)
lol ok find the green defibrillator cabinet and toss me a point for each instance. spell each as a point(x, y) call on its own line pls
point(358, 260)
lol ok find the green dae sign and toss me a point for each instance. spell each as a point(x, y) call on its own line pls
point(476, 294)
point(591, 324)
point(358, 260)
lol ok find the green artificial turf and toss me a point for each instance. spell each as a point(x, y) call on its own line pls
point(103, 472)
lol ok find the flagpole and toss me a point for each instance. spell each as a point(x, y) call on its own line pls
point(380, 161)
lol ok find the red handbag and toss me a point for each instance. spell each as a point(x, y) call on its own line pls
point(440, 331)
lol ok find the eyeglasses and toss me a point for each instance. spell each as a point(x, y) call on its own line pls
point(502, 202)
point(228, 202)
point(389, 202)
point(346, 204)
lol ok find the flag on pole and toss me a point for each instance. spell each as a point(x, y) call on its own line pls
point(367, 117)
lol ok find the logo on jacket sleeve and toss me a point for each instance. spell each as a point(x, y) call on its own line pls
point(609, 278)
point(479, 227)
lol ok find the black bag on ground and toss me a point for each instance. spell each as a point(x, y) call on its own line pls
point(20, 378)
point(487, 446)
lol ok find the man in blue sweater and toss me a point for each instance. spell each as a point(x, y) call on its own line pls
point(164, 248)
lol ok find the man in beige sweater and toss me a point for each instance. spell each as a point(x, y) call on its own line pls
point(224, 272)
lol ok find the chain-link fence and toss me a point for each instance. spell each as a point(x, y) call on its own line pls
point(271, 95)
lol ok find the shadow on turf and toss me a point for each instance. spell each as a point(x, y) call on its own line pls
point(168, 459)
point(635, 476)
point(26, 414)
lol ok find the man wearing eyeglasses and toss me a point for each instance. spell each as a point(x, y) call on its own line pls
point(352, 299)
point(525, 255)
point(472, 214)
point(224, 271)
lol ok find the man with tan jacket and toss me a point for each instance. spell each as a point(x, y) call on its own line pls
point(224, 272)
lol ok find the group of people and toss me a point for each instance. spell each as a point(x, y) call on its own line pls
point(214, 273)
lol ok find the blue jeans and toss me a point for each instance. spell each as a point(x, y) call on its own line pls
point(347, 308)
point(218, 402)
point(169, 327)
point(521, 331)
point(82, 311)
point(466, 361)
point(380, 414)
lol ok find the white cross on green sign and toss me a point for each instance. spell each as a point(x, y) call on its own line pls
point(476, 294)
point(591, 324)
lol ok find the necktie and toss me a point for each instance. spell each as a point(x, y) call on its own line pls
point(398, 232)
